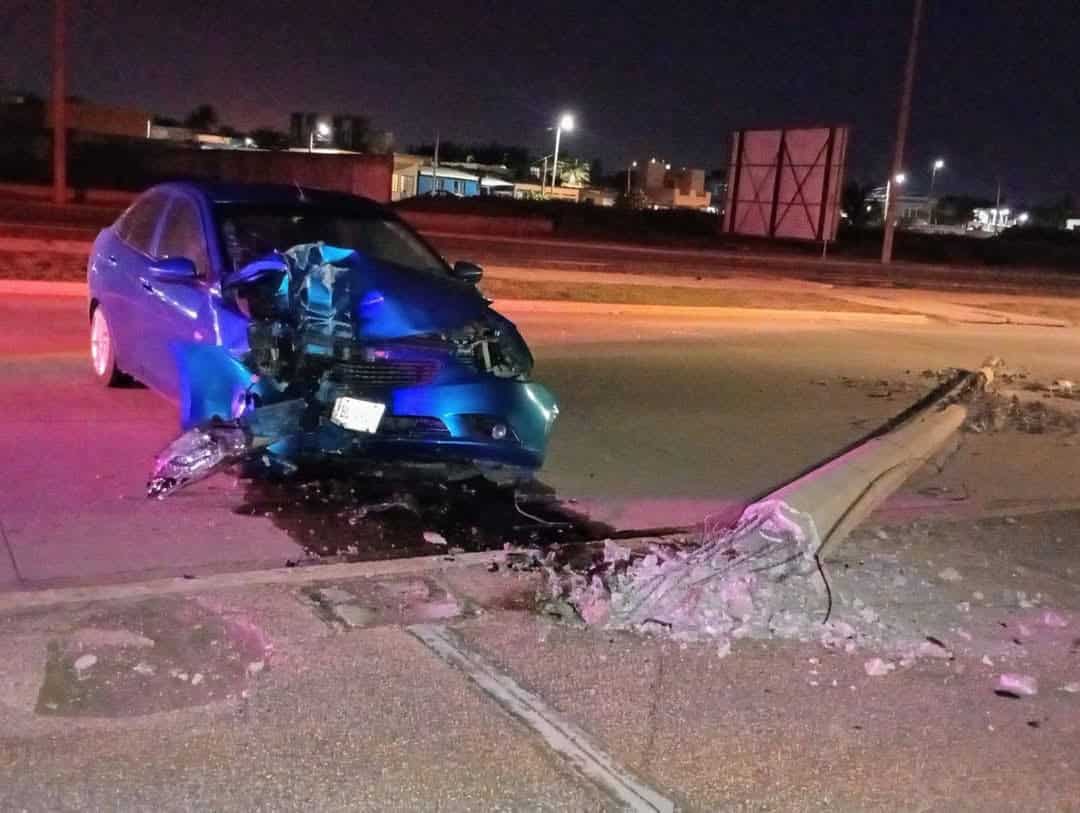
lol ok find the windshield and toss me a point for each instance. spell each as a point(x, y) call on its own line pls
point(251, 232)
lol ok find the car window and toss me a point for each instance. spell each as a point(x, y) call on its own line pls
point(136, 228)
point(182, 235)
point(251, 231)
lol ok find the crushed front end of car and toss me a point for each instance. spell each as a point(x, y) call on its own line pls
point(385, 370)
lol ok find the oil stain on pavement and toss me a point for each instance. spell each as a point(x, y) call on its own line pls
point(353, 519)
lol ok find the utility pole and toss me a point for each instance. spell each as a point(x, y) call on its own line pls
point(59, 105)
point(435, 167)
point(902, 126)
point(997, 208)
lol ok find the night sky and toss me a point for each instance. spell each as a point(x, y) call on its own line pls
point(997, 89)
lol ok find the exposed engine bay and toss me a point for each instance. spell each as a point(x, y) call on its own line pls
point(341, 367)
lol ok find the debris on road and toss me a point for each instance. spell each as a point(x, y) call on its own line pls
point(1016, 684)
point(876, 667)
point(84, 663)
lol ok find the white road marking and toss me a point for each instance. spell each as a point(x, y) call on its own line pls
point(562, 736)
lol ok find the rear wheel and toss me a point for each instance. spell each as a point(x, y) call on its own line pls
point(103, 350)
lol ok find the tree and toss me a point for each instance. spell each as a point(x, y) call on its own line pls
point(203, 118)
point(574, 171)
point(270, 139)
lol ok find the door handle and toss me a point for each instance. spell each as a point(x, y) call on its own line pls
point(145, 283)
point(111, 259)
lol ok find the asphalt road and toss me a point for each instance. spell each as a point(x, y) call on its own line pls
point(665, 418)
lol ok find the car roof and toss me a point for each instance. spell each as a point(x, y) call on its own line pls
point(274, 194)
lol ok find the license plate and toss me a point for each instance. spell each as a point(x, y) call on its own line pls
point(358, 415)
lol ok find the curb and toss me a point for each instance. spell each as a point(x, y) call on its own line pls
point(554, 306)
point(40, 287)
point(30, 599)
point(49, 288)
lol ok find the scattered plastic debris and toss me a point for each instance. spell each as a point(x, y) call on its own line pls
point(1053, 620)
point(84, 663)
point(877, 667)
point(950, 574)
point(1011, 683)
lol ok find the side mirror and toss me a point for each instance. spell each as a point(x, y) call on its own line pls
point(468, 272)
point(272, 266)
point(173, 269)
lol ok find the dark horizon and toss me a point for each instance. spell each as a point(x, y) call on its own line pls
point(994, 94)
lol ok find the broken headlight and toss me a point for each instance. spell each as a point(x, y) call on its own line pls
point(495, 348)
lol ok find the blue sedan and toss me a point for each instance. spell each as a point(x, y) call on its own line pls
point(292, 325)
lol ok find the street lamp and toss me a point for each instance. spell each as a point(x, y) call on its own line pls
point(633, 165)
point(566, 122)
point(899, 179)
point(322, 130)
point(939, 165)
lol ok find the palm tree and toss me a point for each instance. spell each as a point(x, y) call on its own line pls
point(574, 172)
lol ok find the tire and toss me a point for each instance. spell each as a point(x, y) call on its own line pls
point(103, 351)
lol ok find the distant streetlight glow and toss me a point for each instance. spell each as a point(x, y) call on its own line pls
point(1023, 218)
point(321, 130)
point(939, 165)
point(566, 122)
point(899, 179)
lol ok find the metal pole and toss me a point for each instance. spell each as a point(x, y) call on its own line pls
point(543, 177)
point(933, 177)
point(59, 106)
point(902, 125)
point(997, 208)
point(555, 159)
point(435, 166)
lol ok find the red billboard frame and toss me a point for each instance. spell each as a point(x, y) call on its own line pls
point(786, 182)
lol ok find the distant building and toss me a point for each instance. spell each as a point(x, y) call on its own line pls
point(665, 188)
point(29, 112)
point(994, 219)
point(342, 132)
point(909, 210)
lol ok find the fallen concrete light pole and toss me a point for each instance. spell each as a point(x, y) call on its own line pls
point(742, 580)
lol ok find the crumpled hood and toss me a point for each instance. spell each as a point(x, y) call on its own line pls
point(341, 293)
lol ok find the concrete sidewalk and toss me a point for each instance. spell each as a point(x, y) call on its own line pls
point(316, 689)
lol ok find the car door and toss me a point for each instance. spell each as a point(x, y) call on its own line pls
point(181, 310)
point(127, 260)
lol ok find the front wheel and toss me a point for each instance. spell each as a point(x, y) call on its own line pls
point(103, 350)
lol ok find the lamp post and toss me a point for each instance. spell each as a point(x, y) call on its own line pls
point(566, 122)
point(322, 129)
point(633, 165)
point(59, 102)
point(939, 165)
point(900, 179)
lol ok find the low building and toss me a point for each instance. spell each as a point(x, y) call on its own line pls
point(665, 188)
point(29, 112)
point(995, 219)
point(908, 210)
point(535, 191)
point(447, 181)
